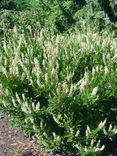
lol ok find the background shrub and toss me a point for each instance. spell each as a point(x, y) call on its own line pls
point(60, 16)
point(14, 4)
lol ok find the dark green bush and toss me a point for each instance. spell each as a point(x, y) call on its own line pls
point(24, 21)
point(59, 16)
point(14, 4)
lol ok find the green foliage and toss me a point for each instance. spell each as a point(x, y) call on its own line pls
point(58, 72)
point(60, 16)
point(113, 5)
point(61, 89)
point(24, 21)
point(14, 4)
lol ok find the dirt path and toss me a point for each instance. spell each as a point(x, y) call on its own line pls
point(9, 137)
point(14, 143)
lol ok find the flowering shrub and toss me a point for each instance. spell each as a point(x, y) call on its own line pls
point(61, 89)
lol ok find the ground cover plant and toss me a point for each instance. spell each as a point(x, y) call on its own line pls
point(61, 89)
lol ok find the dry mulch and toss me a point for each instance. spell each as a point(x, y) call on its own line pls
point(14, 143)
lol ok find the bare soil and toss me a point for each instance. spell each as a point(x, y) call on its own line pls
point(14, 143)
